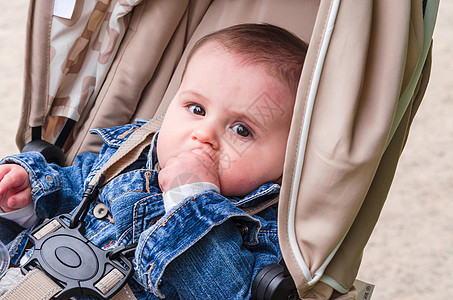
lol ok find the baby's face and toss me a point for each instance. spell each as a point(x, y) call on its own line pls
point(238, 115)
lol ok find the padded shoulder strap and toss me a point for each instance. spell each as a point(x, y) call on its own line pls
point(129, 151)
point(37, 285)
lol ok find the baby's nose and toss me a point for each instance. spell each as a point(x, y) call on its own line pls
point(206, 135)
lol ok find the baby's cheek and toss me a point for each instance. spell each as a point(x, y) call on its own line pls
point(237, 182)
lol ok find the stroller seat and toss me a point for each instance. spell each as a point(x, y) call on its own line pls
point(365, 74)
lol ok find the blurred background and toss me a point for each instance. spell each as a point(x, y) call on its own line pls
point(410, 254)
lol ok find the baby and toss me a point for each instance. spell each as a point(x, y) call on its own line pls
point(220, 149)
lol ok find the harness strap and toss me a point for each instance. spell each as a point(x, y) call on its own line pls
point(36, 285)
point(129, 151)
point(124, 293)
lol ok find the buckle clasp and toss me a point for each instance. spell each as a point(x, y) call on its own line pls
point(76, 264)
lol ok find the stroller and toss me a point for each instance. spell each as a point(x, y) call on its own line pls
point(364, 77)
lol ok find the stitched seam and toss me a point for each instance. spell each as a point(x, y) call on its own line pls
point(108, 141)
point(51, 292)
point(148, 179)
point(291, 180)
point(164, 222)
point(267, 231)
point(257, 208)
point(47, 58)
point(136, 212)
point(16, 243)
point(127, 293)
point(123, 235)
point(125, 192)
point(138, 191)
point(151, 266)
point(100, 229)
point(44, 190)
point(128, 172)
point(124, 134)
point(257, 195)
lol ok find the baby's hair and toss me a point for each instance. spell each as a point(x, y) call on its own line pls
point(279, 51)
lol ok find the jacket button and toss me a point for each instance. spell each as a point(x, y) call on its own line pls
point(100, 211)
point(243, 229)
point(49, 179)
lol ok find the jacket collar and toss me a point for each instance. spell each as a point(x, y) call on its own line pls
point(152, 162)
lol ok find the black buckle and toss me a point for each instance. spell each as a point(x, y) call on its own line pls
point(75, 263)
point(72, 261)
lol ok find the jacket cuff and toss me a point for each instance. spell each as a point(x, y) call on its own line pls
point(43, 178)
point(182, 227)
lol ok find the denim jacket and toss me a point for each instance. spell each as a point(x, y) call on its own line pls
point(206, 247)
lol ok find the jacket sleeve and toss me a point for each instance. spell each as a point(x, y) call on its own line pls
point(205, 248)
point(55, 189)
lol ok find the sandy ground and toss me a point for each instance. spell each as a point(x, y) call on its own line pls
point(410, 254)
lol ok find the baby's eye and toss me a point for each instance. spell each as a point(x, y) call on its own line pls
point(242, 130)
point(197, 109)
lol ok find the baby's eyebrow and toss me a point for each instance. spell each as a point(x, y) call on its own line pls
point(194, 94)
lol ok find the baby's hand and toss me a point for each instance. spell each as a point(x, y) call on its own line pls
point(15, 190)
point(188, 167)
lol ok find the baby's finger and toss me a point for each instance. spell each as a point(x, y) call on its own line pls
point(20, 199)
point(4, 169)
point(164, 179)
point(6, 183)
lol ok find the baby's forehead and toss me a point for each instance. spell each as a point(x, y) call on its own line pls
point(212, 48)
point(241, 58)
